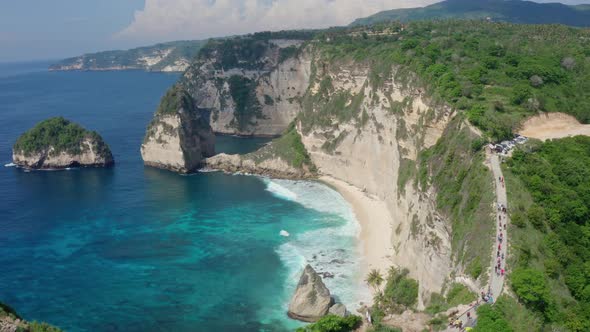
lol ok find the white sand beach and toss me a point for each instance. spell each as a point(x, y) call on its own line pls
point(374, 219)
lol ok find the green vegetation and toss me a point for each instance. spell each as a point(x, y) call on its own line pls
point(288, 147)
point(400, 292)
point(176, 98)
point(465, 193)
point(498, 10)
point(60, 134)
point(374, 279)
point(496, 73)
point(288, 53)
point(8, 314)
point(457, 294)
point(490, 319)
point(549, 184)
point(333, 323)
point(178, 50)
point(247, 51)
point(243, 93)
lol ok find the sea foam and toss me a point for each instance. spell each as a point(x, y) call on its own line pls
point(10, 165)
point(331, 249)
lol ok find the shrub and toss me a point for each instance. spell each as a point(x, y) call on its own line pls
point(333, 323)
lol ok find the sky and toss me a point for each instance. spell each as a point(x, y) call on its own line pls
point(55, 29)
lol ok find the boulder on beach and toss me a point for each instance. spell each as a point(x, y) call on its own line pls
point(339, 309)
point(312, 299)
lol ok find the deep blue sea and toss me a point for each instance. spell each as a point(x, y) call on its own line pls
point(139, 249)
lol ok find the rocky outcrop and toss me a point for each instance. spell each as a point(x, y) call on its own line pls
point(179, 136)
point(250, 85)
point(312, 299)
point(274, 168)
point(339, 309)
point(58, 143)
point(10, 321)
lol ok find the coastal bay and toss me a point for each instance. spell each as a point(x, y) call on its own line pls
point(157, 250)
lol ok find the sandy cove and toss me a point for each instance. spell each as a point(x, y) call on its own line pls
point(374, 219)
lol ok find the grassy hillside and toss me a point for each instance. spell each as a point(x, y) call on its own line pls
point(496, 73)
point(131, 59)
point(549, 187)
point(514, 11)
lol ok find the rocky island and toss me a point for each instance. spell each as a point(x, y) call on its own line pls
point(58, 143)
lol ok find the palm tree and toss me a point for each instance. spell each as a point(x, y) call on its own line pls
point(374, 279)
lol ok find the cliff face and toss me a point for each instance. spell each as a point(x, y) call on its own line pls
point(250, 86)
point(50, 159)
point(178, 136)
point(375, 148)
point(361, 122)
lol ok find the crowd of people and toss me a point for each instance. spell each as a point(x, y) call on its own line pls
point(499, 270)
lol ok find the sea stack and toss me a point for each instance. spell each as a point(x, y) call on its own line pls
point(312, 299)
point(58, 143)
point(179, 136)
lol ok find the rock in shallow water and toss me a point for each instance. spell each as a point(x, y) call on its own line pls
point(312, 299)
point(339, 309)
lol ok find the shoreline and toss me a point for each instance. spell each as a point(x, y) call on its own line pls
point(374, 218)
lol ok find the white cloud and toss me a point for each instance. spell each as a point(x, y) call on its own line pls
point(196, 19)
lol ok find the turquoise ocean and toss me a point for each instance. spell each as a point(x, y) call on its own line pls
point(139, 249)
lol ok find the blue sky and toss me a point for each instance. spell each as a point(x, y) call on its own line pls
point(52, 29)
point(45, 29)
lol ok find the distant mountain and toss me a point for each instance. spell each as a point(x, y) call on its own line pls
point(514, 11)
point(173, 57)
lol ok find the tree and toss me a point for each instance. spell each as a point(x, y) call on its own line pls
point(531, 288)
point(375, 279)
point(333, 323)
point(489, 319)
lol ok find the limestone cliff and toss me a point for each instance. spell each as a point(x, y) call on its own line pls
point(368, 130)
point(250, 85)
point(58, 143)
point(179, 135)
point(368, 122)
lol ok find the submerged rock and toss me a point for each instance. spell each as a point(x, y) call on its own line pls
point(58, 143)
point(312, 299)
point(339, 309)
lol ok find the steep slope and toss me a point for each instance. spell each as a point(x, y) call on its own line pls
point(250, 84)
point(179, 136)
point(514, 11)
point(167, 57)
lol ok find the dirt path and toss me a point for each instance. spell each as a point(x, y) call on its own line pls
point(553, 125)
point(496, 282)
